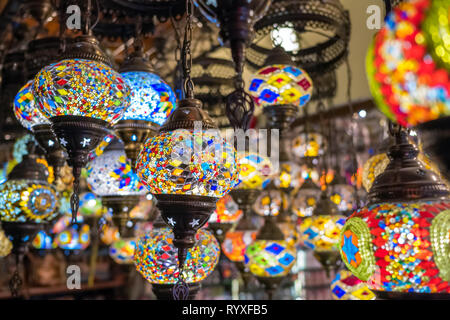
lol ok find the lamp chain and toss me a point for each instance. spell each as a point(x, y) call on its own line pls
point(180, 290)
point(186, 53)
point(15, 283)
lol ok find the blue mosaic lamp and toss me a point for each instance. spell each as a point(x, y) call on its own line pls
point(152, 101)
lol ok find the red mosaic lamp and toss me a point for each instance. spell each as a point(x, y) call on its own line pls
point(399, 243)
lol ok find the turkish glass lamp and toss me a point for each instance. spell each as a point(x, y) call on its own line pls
point(43, 241)
point(76, 237)
point(188, 170)
point(151, 102)
point(270, 258)
point(345, 286)
point(109, 234)
point(226, 215)
point(271, 202)
point(306, 198)
point(341, 193)
point(31, 118)
point(156, 258)
point(308, 145)
point(320, 232)
point(122, 251)
point(83, 97)
point(281, 88)
point(399, 242)
point(90, 205)
point(255, 171)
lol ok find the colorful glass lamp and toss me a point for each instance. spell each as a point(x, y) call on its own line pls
point(399, 242)
point(345, 286)
point(83, 97)
point(226, 215)
point(156, 258)
point(122, 250)
point(306, 198)
point(151, 102)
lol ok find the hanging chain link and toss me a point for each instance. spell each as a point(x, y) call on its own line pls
point(186, 51)
point(178, 77)
point(180, 290)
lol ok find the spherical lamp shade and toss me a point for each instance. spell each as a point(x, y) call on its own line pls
point(255, 171)
point(271, 203)
point(227, 211)
point(5, 245)
point(342, 194)
point(305, 199)
point(109, 234)
point(413, 87)
point(76, 237)
point(151, 98)
point(122, 250)
point(309, 144)
point(281, 84)
point(321, 233)
point(26, 110)
point(43, 241)
point(236, 242)
point(345, 286)
point(288, 177)
point(90, 205)
point(111, 174)
point(268, 258)
point(156, 257)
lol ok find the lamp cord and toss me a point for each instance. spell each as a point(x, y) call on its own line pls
point(188, 84)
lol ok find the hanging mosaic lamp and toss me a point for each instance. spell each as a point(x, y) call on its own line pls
point(226, 215)
point(342, 193)
point(320, 232)
point(111, 177)
point(271, 202)
point(281, 88)
point(122, 250)
point(27, 203)
point(270, 258)
point(83, 97)
point(306, 198)
point(156, 258)
point(407, 67)
point(345, 286)
point(399, 242)
point(308, 145)
point(76, 238)
point(151, 102)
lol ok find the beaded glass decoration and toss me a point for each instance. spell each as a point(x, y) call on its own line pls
point(24, 200)
point(372, 168)
point(308, 145)
point(271, 203)
point(266, 258)
point(122, 250)
point(186, 162)
point(44, 241)
point(5, 245)
point(156, 258)
point(343, 196)
point(110, 174)
point(413, 88)
point(321, 233)
point(25, 109)
point(82, 88)
point(20, 148)
point(227, 211)
point(288, 176)
point(281, 85)
point(305, 201)
point(151, 98)
point(402, 247)
point(255, 171)
point(75, 237)
point(345, 286)
point(90, 205)
point(236, 243)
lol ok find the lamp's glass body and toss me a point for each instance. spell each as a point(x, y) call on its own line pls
point(98, 151)
point(227, 211)
point(75, 237)
point(271, 203)
point(304, 201)
point(266, 258)
point(281, 85)
point(122, 250)
point(345, 286)
point(308, 145)
point(236, 243)
point(90, 205)
point(399, 247)
point(25, 200)
point(343, 196)
point(151, 98)
point(288, 176)
point(413, 87)
point(111, 174)
point(156, 258)
point(143, 209)
point(255, 171)
point(25, 109)
point(20, 148)
point(372, 168)
point(81, 87)
point(185, 162)
point(109, 234)
point(44, 241)
point(321, 233)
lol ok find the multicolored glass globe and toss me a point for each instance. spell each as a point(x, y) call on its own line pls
point(305, 199)
point(408, 85)
point(122, 250)
point(227, 211)
point(109, 234)
point(151, 98)
point(76, 237)
point(255, 171)
point(281, 85)
point(90, 205)
point(236, 243)
point(111, 174)
point(271, 203)
point(345, 286)
point(81, 87)
point(156, 257)
point(184, 162)
point(309, 144)
point(20, 148)
point(267, 258)
point(342, 195)
point(143, 210)
point(25, 109)
point(44, 241)
point(401, 247)
point(288, 176)
point(322, 233)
